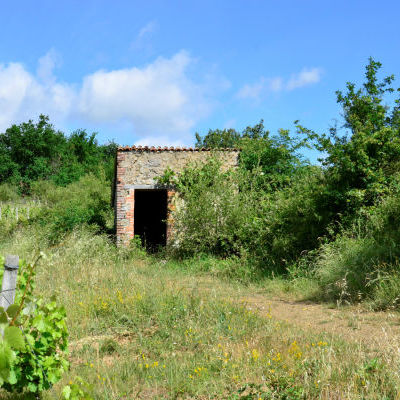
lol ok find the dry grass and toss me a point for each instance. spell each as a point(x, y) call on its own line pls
point(140, 329)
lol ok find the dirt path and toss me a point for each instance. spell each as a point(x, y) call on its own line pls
point(352, 323)
point(349, 323)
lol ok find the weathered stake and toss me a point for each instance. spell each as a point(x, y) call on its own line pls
point(11, 266)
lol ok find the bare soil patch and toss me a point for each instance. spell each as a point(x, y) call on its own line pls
point(350, 323)
point(377, 330)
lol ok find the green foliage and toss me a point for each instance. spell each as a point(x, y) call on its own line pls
point(274, 159)
point(210, 205)
point(77, 390)
point(362, 263)
point(218, 139)
point(167, 179)
point(360, 163)
point(283, 225)
point(18, 213)
point(226, 213)
point(8, 192)
point(84, 202)
point(258, 210)
point(31, 152)
point(282, 208)
point(58, 210)
point(33, 346)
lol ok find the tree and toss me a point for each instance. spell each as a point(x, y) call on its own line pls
point(274, 158)
point(360, 163)
point(31, 151)
point(37, 151)
point(226, 138)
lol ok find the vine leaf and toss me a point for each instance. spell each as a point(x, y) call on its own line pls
point(13, 336)
point(66, 392)
point(3, 316)
point(7, 356)
point(12, 310)
point(12, 379)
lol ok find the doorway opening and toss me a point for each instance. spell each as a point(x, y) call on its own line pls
point(150, 216)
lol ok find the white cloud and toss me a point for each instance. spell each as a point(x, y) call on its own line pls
point(261, 87)
point(157, 98)
point(264, 86)
point(143, 39)
point(304, 78)
point(23, 96)
point(160, 141)
point(158, 101)
point(14, 85)
point(276, 84)
point(46, 66)
point(252, 91)
point(149, 28)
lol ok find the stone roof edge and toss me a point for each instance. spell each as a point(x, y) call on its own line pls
point(157, 149)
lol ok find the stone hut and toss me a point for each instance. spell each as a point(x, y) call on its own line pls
point(143, 208)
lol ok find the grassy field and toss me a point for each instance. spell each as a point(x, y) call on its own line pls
point(146, 328)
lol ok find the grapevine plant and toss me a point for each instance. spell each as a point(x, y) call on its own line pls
point(33, 338)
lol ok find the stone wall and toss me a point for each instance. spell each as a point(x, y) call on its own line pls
point(137, 168)
point(141, 167)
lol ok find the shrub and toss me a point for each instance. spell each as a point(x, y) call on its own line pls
point(37, 151)
point(8, 192)
point(287, 222)
point(84, 202)
point(227, 213)
point(363, 260)
point(210, 213)
point(362, 158)
point(274, 157)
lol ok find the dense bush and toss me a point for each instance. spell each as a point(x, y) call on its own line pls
point(363, 261)
point(288, 222)
point(8, 192)
point(226, 213)
point(31, 152)
point(272, 159)
point(210, 214)
point(363, 155)
point(84, 202)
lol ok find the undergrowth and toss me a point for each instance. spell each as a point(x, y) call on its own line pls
point(142, 327)
point(152, 327)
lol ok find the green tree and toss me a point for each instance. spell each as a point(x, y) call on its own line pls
point(37, 151)
point(218, 139)
point(274, 159)
point(31, 151)
point(361, 161)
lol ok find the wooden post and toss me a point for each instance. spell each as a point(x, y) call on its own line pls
point(9, 281)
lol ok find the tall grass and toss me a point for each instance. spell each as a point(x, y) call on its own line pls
point(363, 261)
point(140, 328)
point(146, 327)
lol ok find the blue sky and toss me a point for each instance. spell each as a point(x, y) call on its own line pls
point(155, 72)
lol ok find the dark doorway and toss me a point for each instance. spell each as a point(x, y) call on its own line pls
point(150, 217)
